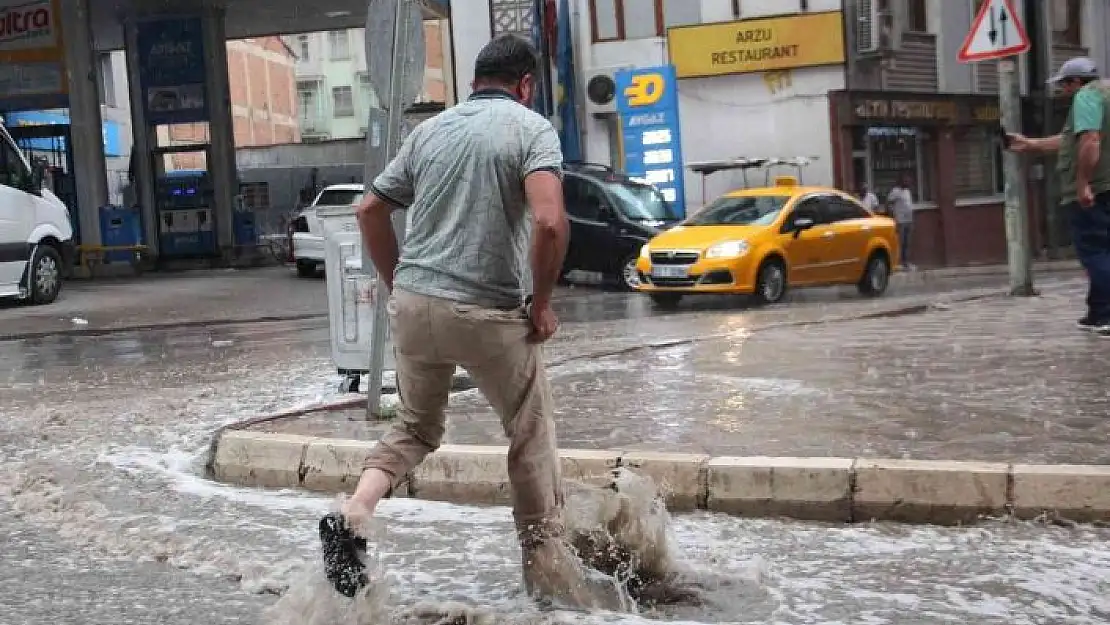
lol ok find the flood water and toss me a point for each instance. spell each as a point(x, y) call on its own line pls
point(108, 520)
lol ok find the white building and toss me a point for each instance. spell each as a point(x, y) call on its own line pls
point(779, 113)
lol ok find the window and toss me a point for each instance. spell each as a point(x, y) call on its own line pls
point(13, 173)
point(307, 98)
point(615, 20)
point(339, 197)
point(303, 48)
point(978, 165)
point(583, 199)
point(342, 102)
point(840, 209)
point(894, 152)
point(809, 208)
point(339, 45)
point(1066, 15)
point(917, 18)
point(752, 210)
point(641, 202)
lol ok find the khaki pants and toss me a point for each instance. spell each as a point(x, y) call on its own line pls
point(431, 336)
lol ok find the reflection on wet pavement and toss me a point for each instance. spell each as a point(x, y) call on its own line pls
point(948, 384)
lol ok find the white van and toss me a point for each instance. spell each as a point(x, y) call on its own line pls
point(36, 236)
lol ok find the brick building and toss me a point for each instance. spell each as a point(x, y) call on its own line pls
point(263, 101)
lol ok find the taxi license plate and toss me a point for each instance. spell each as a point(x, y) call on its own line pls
point(669, 271)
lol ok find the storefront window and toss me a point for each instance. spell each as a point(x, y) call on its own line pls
point(978, 164)
point(894, 152)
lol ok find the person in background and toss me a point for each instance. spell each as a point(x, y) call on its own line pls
point(900, 204)
point(481, 185)
point(869, 200)
point(1083, 167)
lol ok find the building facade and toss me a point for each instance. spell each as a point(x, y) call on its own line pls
point(262, 80)
point(892, 102)
point(334, 93)
point(911, 109)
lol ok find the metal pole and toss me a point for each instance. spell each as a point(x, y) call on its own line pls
point(392, 145)
point(1016, 212)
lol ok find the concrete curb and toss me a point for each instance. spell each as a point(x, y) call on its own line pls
point(818, 489)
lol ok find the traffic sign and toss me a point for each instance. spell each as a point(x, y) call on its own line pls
point(996, 33)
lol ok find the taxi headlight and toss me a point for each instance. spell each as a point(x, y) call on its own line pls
point(644, 253)
point(727, 249)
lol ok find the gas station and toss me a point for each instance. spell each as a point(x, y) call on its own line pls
point(177, 74)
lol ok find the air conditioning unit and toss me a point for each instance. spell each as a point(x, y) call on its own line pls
point(601, 91)
point(877, 30)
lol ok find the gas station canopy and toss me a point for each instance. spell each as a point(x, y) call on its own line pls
point(245, 18)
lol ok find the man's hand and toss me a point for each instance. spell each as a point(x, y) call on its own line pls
point(1086, 196)
point(544, 322)
point(1019, 142)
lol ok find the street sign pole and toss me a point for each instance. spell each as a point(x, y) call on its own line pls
point(403, 63)
point(1017, 214)
point(997, 33)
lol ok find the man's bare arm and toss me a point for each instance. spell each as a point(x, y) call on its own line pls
point(1042, 145)
point(377, 236)
point(1090, 148)
point(550, 232)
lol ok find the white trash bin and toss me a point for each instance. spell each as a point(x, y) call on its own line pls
point(351, 295)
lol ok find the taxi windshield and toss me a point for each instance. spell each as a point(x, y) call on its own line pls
point(641, 202)
point(750, 210)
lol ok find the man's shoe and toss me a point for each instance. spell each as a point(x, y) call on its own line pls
point(1103, 330)
point(343, 554)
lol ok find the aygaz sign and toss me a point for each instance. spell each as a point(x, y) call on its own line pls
point(757, 45)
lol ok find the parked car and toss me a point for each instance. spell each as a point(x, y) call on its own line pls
point(762, 241)
point(611, 217)
point(307, 231)
point(36, 235)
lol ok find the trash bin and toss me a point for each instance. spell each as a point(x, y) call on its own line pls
point(120, 227)
point(351, 294)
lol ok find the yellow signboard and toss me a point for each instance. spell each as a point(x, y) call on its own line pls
point(757, 45)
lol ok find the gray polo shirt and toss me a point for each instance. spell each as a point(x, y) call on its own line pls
point(461, 176)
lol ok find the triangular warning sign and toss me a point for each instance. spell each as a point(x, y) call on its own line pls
point(995, 33)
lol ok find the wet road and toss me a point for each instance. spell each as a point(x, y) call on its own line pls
point(108, 522)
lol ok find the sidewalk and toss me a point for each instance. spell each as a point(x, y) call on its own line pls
point(998, 379)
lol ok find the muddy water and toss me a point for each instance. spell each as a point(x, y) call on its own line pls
point(106, 520)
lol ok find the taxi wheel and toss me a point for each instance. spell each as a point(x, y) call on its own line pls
point(770, 285)
point(876, 277)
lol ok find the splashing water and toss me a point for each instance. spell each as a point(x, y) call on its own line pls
point(620, 529)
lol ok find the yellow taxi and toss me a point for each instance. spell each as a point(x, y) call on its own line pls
point(763, 241)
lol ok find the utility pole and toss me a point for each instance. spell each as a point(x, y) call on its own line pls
point(397, 74)
point(1017, 210)
point(997, 33)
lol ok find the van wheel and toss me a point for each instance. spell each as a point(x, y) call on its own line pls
point(45, 279)
point(876, 277)
point(770, 284)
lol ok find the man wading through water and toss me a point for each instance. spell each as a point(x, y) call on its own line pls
point(481, 184)
point(1083, 164)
